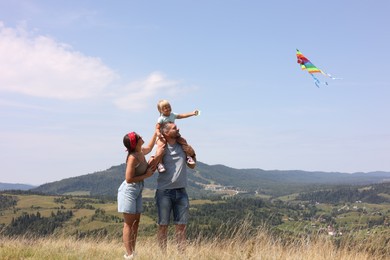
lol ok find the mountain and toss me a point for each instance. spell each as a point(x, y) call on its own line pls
point(269, 182)
point(15, 186)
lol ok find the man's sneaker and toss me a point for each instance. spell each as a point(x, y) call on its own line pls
point(160, 167)
point(190, 160)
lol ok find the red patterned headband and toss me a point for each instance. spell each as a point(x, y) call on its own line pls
point(133, 140)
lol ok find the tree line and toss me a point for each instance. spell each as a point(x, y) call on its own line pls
point(348, 195)
point(7, 201)
point(36, 225)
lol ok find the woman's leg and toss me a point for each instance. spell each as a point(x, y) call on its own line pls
point(130, 231)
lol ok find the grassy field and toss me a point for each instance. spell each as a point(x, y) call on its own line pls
point(239, 246)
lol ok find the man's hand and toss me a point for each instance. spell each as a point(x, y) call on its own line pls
point(152, 163)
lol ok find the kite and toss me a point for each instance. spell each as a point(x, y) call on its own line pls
point(311, 68)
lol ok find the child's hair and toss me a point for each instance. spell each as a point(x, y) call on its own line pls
point(162, 103)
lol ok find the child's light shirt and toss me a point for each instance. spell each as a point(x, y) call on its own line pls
point(165, 119)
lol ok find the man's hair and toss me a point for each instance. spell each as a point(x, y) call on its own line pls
point(165, 127)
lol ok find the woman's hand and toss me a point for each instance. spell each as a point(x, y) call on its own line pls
point(152, 166)
point(152, 162)
point(150, 171)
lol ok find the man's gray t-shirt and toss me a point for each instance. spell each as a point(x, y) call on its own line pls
point(175, 175)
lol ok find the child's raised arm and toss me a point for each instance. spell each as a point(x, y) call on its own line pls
point(194, 113)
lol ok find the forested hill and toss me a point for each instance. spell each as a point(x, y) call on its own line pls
point(15, 186)
point(271, 182)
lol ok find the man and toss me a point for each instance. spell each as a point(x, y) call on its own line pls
point(171, 195)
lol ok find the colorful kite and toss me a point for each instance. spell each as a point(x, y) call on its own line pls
point(311, 68)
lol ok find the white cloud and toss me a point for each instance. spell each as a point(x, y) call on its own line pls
point(42, 67)
point(138, 93)
point(39, 66)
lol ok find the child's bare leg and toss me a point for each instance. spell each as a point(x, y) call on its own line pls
point(159, 154)
point(191, 156)
point(160, 150)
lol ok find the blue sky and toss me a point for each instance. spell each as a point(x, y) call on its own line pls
point(75, 76)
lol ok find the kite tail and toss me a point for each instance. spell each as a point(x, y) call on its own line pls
point(330, 76)
point(317, 81)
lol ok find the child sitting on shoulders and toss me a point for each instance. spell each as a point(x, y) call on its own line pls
point(166, 115)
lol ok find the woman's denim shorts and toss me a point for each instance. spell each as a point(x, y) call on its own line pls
point(130, 197)
point(172, 200)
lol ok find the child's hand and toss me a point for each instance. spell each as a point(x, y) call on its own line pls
point(196, 112)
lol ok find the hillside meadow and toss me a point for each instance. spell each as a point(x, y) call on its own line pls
point(238, 246)
point(94, 231)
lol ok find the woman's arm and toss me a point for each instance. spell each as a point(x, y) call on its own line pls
point(149, 147)
point(130, 171)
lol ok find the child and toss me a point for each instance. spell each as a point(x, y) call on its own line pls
point(166, 115)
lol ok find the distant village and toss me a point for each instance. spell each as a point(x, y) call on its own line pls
point(229, 190)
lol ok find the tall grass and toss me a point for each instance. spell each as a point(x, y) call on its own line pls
point(242, 243)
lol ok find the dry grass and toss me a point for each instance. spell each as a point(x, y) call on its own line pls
point(239, 246)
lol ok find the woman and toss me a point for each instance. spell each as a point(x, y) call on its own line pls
point(130, 191)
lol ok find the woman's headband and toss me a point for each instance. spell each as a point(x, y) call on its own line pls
point(133, 140)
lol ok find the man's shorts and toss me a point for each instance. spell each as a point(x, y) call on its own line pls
point(172, 200)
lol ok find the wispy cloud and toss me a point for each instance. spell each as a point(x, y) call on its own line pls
point(137, 94)
point(42, 67)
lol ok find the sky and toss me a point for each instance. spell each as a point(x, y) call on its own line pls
point(76, 76)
